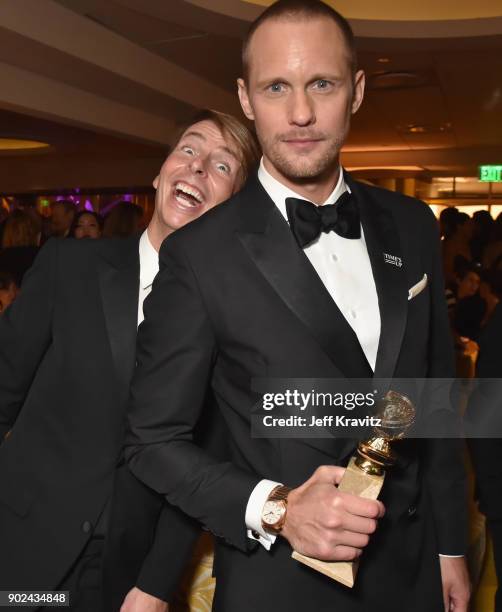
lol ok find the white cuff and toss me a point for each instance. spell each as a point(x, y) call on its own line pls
point(254, 509)
point(452, 556)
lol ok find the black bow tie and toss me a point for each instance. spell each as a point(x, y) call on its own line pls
point(307, 220)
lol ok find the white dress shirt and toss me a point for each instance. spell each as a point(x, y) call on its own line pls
point(148, 268)
point(344, 267)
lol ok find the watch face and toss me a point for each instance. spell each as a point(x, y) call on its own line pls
point(272, 512)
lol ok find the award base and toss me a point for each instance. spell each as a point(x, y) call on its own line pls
point(360, 483)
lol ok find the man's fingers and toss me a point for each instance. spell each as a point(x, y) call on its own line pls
point(359, 524)
point(346, 553)
point(369, 508)
point(354, 540)
point(331, 474)
point(446, 603)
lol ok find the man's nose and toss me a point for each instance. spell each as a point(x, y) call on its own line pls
point(302, 109)
point(198, 166)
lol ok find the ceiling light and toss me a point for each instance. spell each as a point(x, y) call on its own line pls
point(397, 80)
point(21, 144)
point(417, 128)
point(374, 148)
point(397, 168)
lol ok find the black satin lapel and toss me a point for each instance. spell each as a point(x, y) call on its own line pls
point(382, 240)
point(119, 291)
point(288, 270)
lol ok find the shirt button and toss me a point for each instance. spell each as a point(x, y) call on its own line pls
point(334, 257)
point(86, 526)
point(412, 511)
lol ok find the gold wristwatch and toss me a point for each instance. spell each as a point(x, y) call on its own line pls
point(273, 515)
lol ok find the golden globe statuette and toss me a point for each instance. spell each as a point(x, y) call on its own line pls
point(365, 472)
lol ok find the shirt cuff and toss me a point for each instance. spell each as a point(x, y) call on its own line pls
point(452, 556)
point(254, 509)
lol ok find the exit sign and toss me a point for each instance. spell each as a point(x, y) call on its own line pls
point(492, 174)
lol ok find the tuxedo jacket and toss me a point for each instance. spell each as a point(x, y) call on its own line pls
point(236, 299)
point(484, 413)
point(67, 353)
point(17, 260)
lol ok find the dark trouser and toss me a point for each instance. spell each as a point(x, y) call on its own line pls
point(84, 580)
point(495, 528)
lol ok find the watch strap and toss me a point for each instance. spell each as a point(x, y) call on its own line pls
point(280, 493)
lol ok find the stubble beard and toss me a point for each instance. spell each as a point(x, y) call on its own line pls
point(304, 167)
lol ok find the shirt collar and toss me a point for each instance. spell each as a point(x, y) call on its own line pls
point(148, 261)
point(279, 192)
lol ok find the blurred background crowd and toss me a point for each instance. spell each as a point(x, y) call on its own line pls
point(24, 230)
point(472, 260)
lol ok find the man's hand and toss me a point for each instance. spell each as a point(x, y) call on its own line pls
point(456, 585)
point(138, 601)
point(328, 524)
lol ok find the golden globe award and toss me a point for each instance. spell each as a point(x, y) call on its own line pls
point(365, 472)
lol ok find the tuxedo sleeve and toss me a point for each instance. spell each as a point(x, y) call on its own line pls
point(443, 458)
point(175, 537)
point(25, 334)
point(148, 543)
point(177, 351)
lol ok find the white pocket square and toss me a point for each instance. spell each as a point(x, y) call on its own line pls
point(416, 289)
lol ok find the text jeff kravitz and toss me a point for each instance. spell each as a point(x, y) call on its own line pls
point(328, 420)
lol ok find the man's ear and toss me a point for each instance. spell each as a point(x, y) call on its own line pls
point(156, 182)
point(358, 95)
point(244, 99)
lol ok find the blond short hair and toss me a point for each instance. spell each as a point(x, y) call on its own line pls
point(301, 10)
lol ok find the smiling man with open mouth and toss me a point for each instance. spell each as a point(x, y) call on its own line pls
point(204, 168)
point(67, 352)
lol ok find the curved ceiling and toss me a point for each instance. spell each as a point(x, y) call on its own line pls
point(112, 79)
point(411, 10)
point(386, 18)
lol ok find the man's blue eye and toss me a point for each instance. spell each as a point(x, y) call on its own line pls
point(276, 87)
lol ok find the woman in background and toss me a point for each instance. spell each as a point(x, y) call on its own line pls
point(87, 224)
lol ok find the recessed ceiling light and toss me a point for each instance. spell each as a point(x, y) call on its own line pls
point(19, 144)
point(397, 80)
point(401, 79)
point(450, 179)
point(374, 148)
point(383, 60)
point(417, 129)
point(398, 168)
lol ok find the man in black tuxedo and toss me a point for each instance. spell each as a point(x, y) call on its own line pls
point(295, 287)
point(67, 352)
